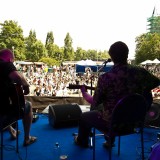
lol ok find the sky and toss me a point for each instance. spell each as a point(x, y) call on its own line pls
point(92, 24)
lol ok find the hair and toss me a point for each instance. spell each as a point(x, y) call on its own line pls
point(119, 52)
point(6, 55)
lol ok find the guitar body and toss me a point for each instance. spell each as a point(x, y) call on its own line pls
point(16, 98)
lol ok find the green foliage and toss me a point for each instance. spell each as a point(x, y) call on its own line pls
point(103, 55)
point(80, 54)
point(147, 47)
point(68, 49)
point(49, 61)
point(35, 49)
point(31, 49)
point(49, 39)
point(39, 51)
point(11, 37)
point(92, 54)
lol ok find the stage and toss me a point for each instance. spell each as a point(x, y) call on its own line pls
point(41, 102)
point(47, 136)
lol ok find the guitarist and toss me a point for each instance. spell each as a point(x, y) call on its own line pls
point(9, 74)
point(121, 80)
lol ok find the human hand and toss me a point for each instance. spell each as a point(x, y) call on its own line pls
point(83, 89)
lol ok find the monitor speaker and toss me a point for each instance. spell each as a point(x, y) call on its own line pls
point(153, 116)
point(64, 115)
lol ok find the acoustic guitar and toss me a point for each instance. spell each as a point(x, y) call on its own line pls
point(16, 98)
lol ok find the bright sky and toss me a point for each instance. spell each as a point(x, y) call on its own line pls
point(92, 24)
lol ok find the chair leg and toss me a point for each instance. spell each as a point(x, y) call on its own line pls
point(94, 143)
point(142, 144)
point(17, 139)
point(119, 142)
point(2, 145)
point(110, 148)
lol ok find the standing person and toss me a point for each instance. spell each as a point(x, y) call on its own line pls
point(9, 74)
point(120, 81)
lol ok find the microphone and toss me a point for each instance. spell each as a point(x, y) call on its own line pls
point(104, 64)
point(108, 60)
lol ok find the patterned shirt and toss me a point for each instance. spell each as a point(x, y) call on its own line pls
point(118, 82)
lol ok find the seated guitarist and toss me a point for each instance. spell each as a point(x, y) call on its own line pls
point(121, 80)
point(9, 74)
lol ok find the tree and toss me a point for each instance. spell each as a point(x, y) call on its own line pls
point(49, 45)
point(39, 51)
point(80, 54)
point(103, 55)
point(49, 38)
point(35, 49)
point(29, 41)
point(92, 54)
point(11, 37)
point(49, 61)
point(32, 49)
point(68, 49)
point(147, 47)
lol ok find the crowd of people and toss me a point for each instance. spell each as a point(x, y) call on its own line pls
point(155, 70)
point(56, 81)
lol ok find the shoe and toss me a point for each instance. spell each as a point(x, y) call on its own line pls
point(107, 145)
point(79, 143)
point(30, 141)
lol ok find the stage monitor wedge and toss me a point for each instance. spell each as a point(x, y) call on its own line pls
point(64, 115)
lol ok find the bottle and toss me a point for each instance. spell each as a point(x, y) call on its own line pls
point(57, 151)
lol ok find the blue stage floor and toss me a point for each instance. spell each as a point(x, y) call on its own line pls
point(43, 149)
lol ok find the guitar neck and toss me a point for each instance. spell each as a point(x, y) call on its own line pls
point(74, 86)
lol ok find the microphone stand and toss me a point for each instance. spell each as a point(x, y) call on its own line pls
point(91, 84)
point(101, 69)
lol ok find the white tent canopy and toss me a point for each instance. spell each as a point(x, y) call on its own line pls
point(86, 62)
point(156, 61)
point(146, 62)
point(110, 64)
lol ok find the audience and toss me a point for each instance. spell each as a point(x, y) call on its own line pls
point(56, 79)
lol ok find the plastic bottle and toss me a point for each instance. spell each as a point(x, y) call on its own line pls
point(57, 151)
